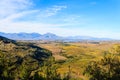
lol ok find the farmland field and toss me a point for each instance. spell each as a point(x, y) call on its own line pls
point(76, 55)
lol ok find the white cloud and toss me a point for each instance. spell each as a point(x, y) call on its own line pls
point(53, 10)
point(50, 11)
point(11, 10)
point(29, 27)
point(17, 16)
point(8, 7)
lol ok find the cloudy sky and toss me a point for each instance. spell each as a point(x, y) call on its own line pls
point(97, 18)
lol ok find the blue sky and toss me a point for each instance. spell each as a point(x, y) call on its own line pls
point(97, 18)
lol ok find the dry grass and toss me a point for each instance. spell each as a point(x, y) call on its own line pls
point(76, 55)
point(59, 57)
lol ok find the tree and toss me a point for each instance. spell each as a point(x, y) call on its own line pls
point(108, 68)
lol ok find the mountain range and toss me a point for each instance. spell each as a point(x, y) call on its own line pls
point(47, 36)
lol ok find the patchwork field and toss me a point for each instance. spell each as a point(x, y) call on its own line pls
point(74, 57)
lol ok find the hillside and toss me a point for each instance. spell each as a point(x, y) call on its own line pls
point(22, 49)
point(19, 60)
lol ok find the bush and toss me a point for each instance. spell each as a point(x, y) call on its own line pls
point(108, 68)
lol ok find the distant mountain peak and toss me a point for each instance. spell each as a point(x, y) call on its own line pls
point(30, 36)
point(50, 34)
point(47, 36)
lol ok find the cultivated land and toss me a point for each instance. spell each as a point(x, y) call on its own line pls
point(76, 55)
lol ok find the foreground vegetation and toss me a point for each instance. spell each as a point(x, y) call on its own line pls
point(26, 61)
point(59, 61)
point(18, 60)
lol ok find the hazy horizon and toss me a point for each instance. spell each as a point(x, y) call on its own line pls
point(62, 36)
point(96, 18)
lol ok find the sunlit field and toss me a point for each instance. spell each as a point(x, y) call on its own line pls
point(77, 55)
